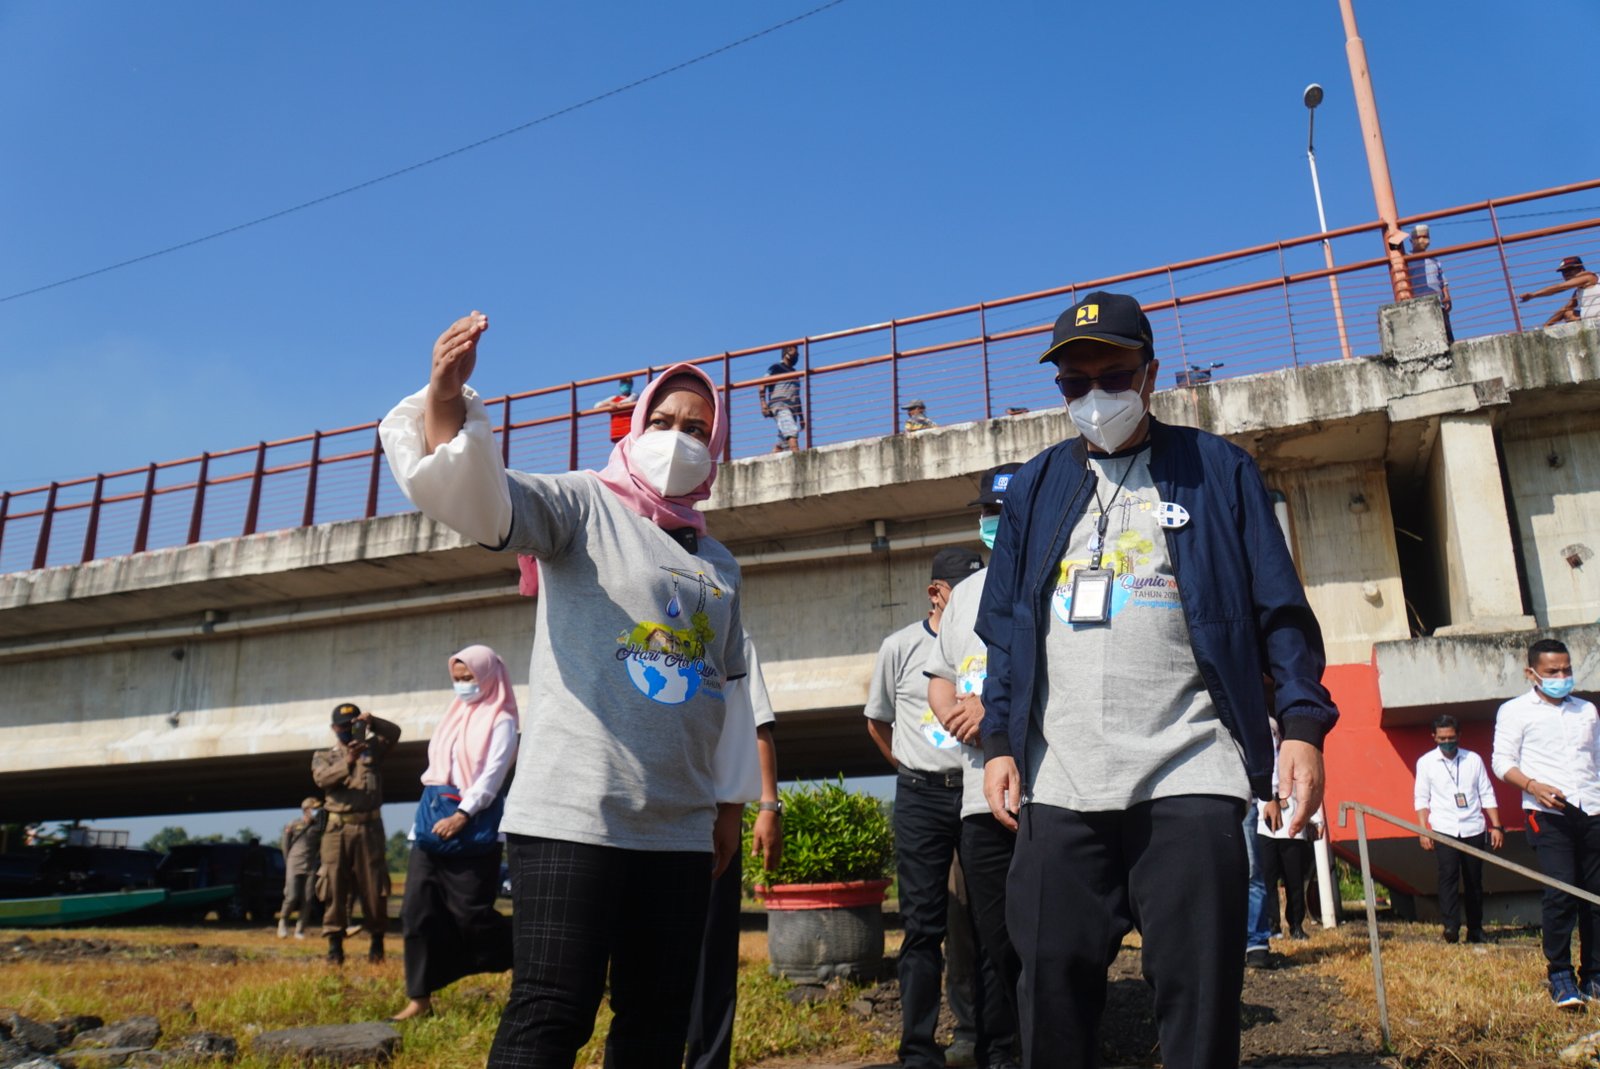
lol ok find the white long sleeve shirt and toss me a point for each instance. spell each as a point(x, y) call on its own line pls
point(1551, 743)
point(1440, 779)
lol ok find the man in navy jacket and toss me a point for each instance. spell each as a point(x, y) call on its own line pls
point(1139, 597)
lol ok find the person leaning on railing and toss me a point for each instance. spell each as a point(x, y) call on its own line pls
point(633, 772)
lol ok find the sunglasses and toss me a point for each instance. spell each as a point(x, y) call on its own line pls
point(1073, 387)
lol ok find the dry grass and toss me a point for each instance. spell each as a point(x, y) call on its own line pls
point(1456, 1006)
point(280, 984)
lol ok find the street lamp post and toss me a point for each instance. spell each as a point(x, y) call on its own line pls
point(1313, 97)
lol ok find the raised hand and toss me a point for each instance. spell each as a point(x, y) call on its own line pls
point(455, 355)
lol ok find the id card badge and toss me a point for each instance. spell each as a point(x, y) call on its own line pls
point(1091, 596)
point(1461, 800)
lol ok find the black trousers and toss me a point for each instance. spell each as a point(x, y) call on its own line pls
point(716, 985)
point(451, 926)
point(1568, 848)
point(1457, 869)
point(1175, 869)
point(986, 849)
point(1288, 860)
point(927, 830)
point(962, 970)
point(578, 909)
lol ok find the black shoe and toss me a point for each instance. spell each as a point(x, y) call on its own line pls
point(1298, 933)
point(336, 949)
point(1258, 958)
point(1477, 936)
point(1451, 935)
point(375, 951)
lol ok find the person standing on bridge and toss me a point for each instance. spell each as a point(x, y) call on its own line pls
point(1452, 797)
point(1547, 745)
point(1584, 304)
point(927, 806)
point(1139, 589)
point(781, 401)
point(628, 798)
point(451, 926)
point(353, 848)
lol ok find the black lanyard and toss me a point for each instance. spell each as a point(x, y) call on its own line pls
point(1105, 512)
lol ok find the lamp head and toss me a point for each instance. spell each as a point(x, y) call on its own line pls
point(1312, 95)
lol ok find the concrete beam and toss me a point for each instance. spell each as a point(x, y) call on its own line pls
point(1420, 677)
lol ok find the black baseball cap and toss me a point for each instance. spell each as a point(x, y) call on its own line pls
point(992, 489)
point(1114, 318)
point(953, 564)
point(345, 712)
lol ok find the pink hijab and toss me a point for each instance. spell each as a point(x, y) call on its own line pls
point(467, 727)
point(640, 496)
point(618, 474)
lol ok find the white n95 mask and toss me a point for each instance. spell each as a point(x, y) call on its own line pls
point(1108, 420)
point(670, 461)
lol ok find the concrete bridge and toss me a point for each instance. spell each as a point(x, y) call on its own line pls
point(1443, 504)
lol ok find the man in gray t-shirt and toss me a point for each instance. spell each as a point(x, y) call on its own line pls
point(1140, 589)
point(927, 805)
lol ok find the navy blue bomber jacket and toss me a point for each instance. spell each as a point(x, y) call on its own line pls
point(1243, 601)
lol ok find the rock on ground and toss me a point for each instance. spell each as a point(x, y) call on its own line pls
point(140, 1033)
point(97, 1057)
point(1585, 1051)
point(28, 1032)
point(341, 1044)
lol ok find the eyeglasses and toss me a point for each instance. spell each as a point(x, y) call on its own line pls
point(1073, 387)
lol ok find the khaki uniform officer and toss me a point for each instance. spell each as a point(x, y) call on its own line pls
point(350, 776)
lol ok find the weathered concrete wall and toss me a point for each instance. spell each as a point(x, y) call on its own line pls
point(1551, 466)
point(1343, 540)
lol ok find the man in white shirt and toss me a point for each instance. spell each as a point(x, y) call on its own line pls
point(1545, 745)
point(1452, 796)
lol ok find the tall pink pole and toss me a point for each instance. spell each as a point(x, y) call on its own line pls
point(1377, 158)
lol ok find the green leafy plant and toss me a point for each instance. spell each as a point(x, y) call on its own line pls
point(830, 835)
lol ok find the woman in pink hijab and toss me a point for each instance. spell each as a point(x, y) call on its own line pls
point(452, 928)
point(629, 793)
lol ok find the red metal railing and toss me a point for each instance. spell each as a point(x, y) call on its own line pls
point(1235, 313)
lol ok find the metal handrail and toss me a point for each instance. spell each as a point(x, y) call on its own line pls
point(1362, 812)
point(980, 353)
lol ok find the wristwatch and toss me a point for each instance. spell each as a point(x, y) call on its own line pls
point(770, 807)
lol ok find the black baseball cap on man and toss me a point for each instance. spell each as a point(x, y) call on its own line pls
point(953, 564)
point(995, 482)
point(344, 713)
point(1114, 318)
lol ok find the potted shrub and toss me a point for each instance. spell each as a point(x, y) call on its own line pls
point(825, 901)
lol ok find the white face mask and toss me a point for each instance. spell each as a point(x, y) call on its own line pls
point(1108, 420)
point(671, 461)
point(468, 691)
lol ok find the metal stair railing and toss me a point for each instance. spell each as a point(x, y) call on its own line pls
point(1362, 812)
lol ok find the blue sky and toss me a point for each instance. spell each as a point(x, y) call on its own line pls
point(883, 158)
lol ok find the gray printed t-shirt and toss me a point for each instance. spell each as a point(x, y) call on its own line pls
point(959, 655)
point(636, 639)
point(899, 696)
point(1123, 716)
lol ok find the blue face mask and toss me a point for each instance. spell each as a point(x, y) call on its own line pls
point(988, 527)
point(1557, 687)
point(1449, 748)
point(468, 692)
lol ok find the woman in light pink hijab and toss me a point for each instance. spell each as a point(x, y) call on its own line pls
point(452, 928)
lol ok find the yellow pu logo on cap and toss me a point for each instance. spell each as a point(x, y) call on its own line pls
point(1088, 315)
